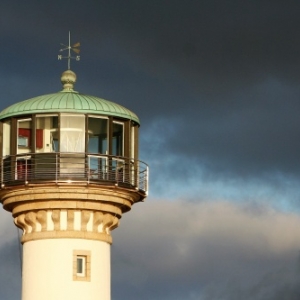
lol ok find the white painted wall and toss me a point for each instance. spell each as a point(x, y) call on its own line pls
point(48, 270)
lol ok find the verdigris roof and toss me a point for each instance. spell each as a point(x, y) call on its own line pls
point(71, 102)
point(68, 101)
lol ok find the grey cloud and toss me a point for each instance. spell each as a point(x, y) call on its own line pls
point(179, 250)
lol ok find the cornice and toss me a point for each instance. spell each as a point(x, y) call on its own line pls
point(67, 212)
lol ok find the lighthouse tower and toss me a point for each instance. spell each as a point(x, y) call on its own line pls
point(69, 170)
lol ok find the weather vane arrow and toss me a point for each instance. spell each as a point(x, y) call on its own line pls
point(74, 48)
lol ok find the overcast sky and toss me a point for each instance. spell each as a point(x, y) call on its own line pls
point(216, 87)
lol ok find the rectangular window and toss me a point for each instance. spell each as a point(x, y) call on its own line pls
point(97, 167)
point(118, 139)
point(97, 135)
point(72, 133)
point(81, 265)
point(47, 133)
point(24, 136)
point(6, 138)
point(23, 141)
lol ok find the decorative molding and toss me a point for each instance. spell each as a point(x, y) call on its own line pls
point(56, 219)
point(41, 217)
point(118, 199)
point(70, 219)
point(98, 218)
point(67, 212)
point(85, 217)
point(35, 225)
point(30, 219)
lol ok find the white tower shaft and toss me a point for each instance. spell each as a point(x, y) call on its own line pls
point(66, 238)
point(50, 270)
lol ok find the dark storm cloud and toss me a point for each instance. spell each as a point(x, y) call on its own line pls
point(224, 74)
point(256, 137)
point(226, 79)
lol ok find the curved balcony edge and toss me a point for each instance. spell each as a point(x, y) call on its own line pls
point(70, 168)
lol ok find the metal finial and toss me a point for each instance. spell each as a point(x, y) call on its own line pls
point(75, 48)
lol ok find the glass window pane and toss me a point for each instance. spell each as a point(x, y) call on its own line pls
point(47, 134)
point(72, 133)
point(117, 139)
point(98, 168)
point(132, 146)
point(81, 265)
point(97, 134)
point(6, 138)
point(24, 136)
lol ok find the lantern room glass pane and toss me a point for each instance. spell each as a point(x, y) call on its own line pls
point(6, 138)
point(72, 133)
point(132, 144)
point(47, 134)
point(24, 136)
point(97, 135)
point(118, 139)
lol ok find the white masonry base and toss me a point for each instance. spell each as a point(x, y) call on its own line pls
point(49, 270)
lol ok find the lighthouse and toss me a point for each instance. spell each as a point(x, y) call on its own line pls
point(69, 170)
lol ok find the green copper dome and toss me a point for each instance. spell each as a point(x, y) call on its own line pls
point(68, 101)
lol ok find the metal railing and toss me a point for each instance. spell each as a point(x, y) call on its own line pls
point(74, 167)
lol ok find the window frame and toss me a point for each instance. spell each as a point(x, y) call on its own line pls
point(85, 257)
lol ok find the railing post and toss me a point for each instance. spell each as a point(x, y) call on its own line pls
point(117, 171)
point(56, 168)
point(147, 181)
point(88, 168)
point(26, 170)
point(138, 175)
point(2, 169)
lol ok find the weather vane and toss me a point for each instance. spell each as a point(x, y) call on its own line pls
point(75, 48)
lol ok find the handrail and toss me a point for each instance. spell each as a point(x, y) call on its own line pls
point(89, 168)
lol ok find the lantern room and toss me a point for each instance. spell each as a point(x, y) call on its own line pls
point(68, 137)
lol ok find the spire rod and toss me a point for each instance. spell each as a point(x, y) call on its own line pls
point(74, 48)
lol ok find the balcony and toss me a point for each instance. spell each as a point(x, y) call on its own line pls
point(74, 168)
